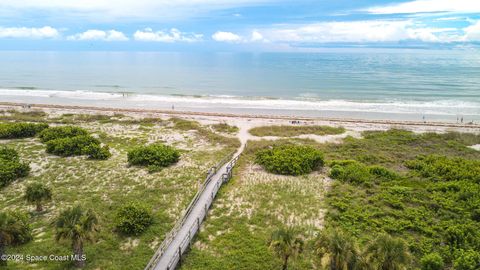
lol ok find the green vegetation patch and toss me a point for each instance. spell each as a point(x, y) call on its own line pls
point(11, 168)
point(291, 131)
point(212, 137)
point(20, 130)
point(155, 156)
point(133, 218)
point(62, 132)
point(67, 141)
point(290, 159)
point(422, 188)
point(355, 172)
point(443, 168)
point(251, 208)
point(225, 128)
point(29, 116)
point(105, 187)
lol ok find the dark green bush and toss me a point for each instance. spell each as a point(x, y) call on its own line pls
point(290, 159)
point(20, 130)
point(68, 141)
point(53, 133)
point(133, 219)
point(74, 146)
point(95, 151)
point(11, 167)
point(432, 261)
point(155, 156)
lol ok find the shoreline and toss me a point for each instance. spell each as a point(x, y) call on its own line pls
point(438, 124)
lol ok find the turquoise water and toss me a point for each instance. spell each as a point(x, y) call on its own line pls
point(439, 84)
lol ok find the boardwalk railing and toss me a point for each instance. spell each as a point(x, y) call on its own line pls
point(194, 229)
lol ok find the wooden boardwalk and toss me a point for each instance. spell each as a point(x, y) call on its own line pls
point(170, 252)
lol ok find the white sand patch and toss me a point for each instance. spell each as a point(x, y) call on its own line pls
point(476, 147)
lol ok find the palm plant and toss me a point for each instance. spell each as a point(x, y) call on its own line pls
point(286, 243)
point(387, 253)
point(14, 229)
point(77, 225)
point(37, 194)
point(340, 249)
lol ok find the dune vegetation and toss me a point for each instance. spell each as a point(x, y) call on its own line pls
point(292, 130)
point(125, 211)
point(390, 200)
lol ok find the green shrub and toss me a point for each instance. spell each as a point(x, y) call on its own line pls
point(74, 146)
point(432, 261)
point(442, 168)
point(383, 173)
point(20, 130)
point(350, 172)
point(68, 141)
point(133, 219)
point(467, 260)
point(155, 156)
point(53, 133)
point(355, 172)
point(10, 166)
point(290, 159)
point(95, 151)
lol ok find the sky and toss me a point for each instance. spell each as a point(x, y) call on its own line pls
point(238, 25)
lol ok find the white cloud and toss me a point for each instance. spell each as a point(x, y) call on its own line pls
point(173, 35)
point(357, 32)
point(105, 10)
point(227, 37)
point(472, 32)
point(93, 34)
point(425, 6)
point(24, 32)
point(257, 37)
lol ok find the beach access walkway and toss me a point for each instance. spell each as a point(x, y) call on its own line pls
point(176, 243)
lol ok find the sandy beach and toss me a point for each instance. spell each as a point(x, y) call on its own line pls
point(247, 121)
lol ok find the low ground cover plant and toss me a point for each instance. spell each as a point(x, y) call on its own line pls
point(20, 130)
point(11, 168)
point(355, 172)
point(133, 218)
point(154, 156)
point(290, 159)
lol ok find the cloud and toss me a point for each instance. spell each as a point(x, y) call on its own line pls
point(257, 37)
point(93, 34)
point(472, 32)
point(427, 6)
point(24, 32)
point(174, 35)
point(106, 10)
point(358, 32)
point(227, 37)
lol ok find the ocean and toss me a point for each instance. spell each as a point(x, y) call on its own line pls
point(441, 85)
